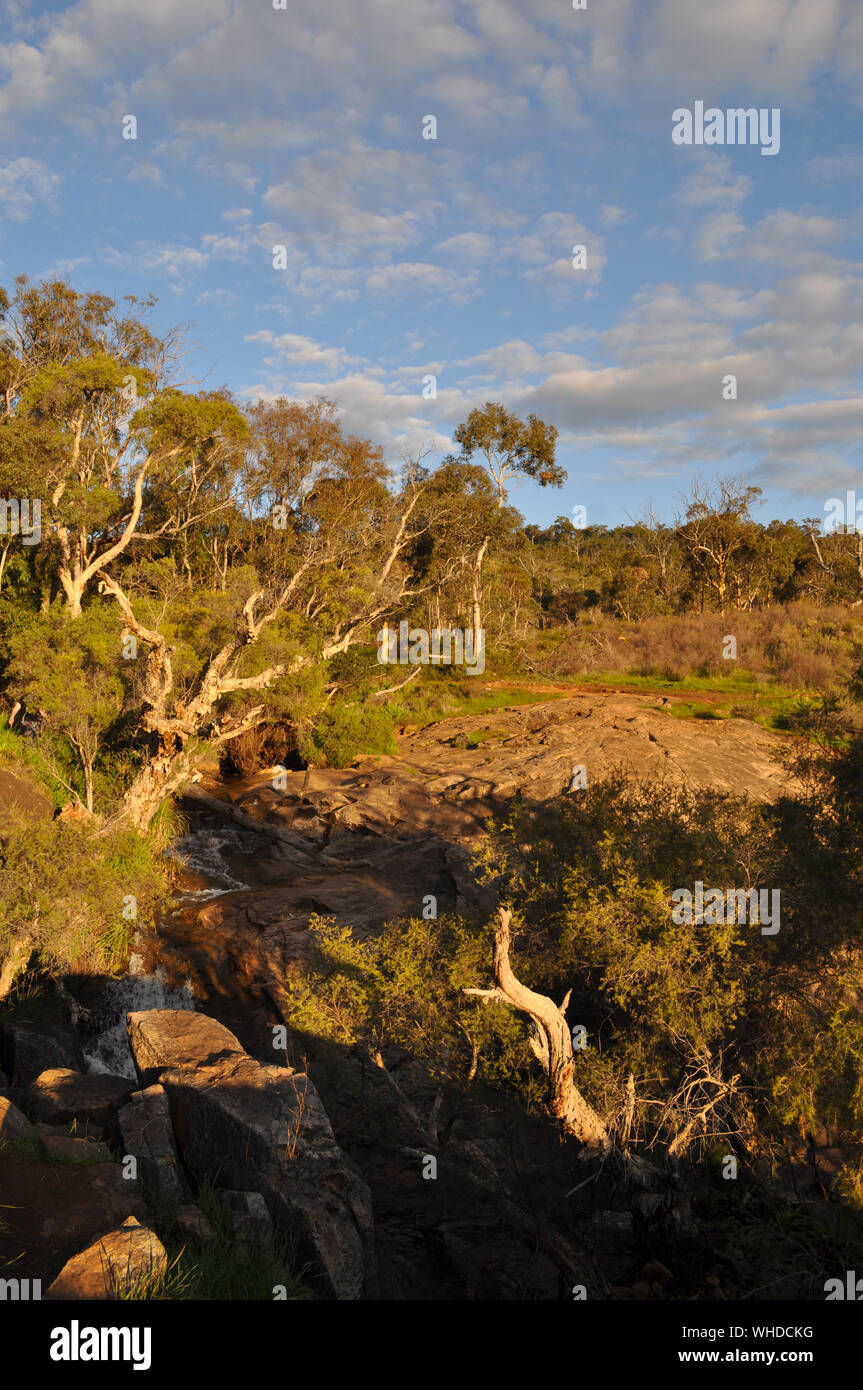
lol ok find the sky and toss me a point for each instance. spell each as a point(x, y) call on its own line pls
point(407, 258)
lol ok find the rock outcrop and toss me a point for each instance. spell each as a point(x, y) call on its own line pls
point(61, 1095)
point(162, 1038)
point(118, 1263)
point(261, 1129)
point(145, 1133)
point(14, 1125)
point(249, 1217)
point(28, 1049)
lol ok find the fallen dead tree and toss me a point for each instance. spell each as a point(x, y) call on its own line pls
point(657, 1184)
point(551, 1044)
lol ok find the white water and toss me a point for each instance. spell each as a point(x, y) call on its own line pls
point(109, 1050)
point(203, 852)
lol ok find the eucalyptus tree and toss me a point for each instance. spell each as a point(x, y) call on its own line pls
point(331, 553)
point(92, 428)
point(510, 449)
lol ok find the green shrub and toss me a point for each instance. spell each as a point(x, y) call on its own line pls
point(405, 990)
point(66, 896)
point(346, 730)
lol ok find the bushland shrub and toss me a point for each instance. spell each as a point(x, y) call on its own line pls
point(345, 730)
point(68, 893)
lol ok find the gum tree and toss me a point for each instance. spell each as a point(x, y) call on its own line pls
point(510, 449)
point(716, 533)
point(90, 428)
point(330, 553)
point(73, 669)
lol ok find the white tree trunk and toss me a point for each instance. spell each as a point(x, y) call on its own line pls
point(552, 1045)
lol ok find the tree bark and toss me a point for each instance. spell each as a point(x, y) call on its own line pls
point(172, 730)
point(13, 962)
point(476, 592)
point(552, 1045)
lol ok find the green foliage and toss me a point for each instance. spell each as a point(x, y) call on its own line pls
point(65, 888)
point(405, 990)
point(847, 1185)
point(592, 877)
point(73, 669)
point(167, 825)
point(36, 763)
point(511, 446)
point(345, 730)
point(220, 1267)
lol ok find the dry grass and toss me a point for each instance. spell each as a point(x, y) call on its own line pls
point(799, 645)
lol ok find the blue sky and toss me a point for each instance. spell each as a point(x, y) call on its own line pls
point(407, 257)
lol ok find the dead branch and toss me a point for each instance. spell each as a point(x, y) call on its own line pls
point(551, 1044)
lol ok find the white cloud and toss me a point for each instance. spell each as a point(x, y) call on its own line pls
point(355, 199)
point(467, 247)
point(401, 421)
point(546, 252)
point(26, 184)
point(295, 348)
point(421, 277)
point(224, 246)
point(713, 182)
point(719, 236)
point(846, 165)
point(146, 172)
point(612, 216)
point(219, 298)
point(177, 262)
point(781, 238)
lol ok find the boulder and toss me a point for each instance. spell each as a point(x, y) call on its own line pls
point(193, 1222)
point(91, 1197)
point(66, 1148)
point(28, 1049)
point(146, 1134)
point(249, 1217)
point(112, 1265)
point(13, 1124)
point(61, 1095)
point(263, 1129)
point(160, 1038)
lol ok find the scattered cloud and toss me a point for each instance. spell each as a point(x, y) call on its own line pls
point(25, 185)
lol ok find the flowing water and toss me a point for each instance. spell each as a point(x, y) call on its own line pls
point(201, 854)
point(109, 1051)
